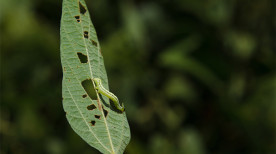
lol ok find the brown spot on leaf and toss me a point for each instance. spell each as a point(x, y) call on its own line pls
point(98, 116)
point(85, 34)
point(78, 19)
point(105, 112)
point(94, 43)
point(85, 95)
point(82, 8)
point(82, 57)
point(93, 122)
point(91, 107)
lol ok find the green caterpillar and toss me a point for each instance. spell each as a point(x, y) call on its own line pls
point(103, 91)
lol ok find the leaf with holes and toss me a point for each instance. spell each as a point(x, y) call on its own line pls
point(90, 114)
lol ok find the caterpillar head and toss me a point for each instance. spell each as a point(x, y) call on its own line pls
point(97, 80)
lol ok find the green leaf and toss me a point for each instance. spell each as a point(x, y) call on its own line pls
point(91, 116)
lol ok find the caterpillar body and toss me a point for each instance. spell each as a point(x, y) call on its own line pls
point(111, 96)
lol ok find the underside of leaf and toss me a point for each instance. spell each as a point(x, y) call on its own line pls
point(90, 115)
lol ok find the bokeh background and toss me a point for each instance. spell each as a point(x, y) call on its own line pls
point(196, 76)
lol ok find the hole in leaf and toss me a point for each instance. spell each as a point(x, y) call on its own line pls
point(78, 19)
point(91, 107)
point(82, 57)
point(93, 122)
point(105, 112)
point(98, 116)
point(88, 87)
point(85, 95)
point(94, 43)
point(82, 8)
point(85, 34)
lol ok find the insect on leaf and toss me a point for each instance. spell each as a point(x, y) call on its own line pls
point(90, 115)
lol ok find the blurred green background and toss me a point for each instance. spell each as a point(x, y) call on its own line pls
point(196, 76)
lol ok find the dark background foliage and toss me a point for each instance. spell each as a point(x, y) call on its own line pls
point(196, 76)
